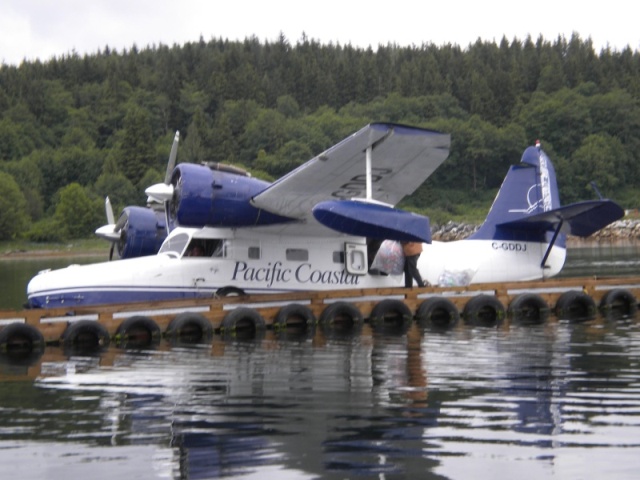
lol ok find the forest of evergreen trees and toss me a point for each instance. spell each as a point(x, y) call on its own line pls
point(77, 128)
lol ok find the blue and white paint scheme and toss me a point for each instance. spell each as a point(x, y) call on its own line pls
point(319, 227)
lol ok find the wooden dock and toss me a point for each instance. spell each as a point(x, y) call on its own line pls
point(574, 299)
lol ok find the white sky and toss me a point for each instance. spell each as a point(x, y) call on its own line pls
point(43, 29)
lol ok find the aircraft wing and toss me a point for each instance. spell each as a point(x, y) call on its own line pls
point(402, 158)
point(581, 219)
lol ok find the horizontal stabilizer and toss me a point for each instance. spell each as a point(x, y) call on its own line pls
point(580, 219)
point(372, 220)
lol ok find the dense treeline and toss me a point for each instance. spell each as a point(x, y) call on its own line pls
point(77, 128)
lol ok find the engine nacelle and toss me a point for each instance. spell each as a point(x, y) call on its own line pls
point(142, 231)
point(203, 196)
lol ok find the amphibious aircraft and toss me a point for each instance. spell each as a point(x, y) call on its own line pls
point(320, 226)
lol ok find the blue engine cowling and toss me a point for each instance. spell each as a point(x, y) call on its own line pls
point(203, 196)
point(142, 231)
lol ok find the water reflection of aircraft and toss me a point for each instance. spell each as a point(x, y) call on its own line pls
point(317, 227)
point(245, 408)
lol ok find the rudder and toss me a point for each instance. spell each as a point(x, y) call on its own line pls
point(529, 188)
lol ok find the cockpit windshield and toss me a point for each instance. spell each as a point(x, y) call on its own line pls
point(209, 247)
point(175, 244)
point(185, 245)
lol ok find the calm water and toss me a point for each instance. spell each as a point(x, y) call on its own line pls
point(560, 400)
point(15, 275)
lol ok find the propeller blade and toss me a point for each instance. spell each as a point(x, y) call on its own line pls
point(108, 232)
point(172, 158)
point(160, 192)
point(109, 209)
point(122, 242)
point(111, 231)
point(113, 244)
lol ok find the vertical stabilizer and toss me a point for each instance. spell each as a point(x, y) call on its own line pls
point(529, 188)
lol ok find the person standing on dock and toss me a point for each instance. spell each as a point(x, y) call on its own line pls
point(412, 251)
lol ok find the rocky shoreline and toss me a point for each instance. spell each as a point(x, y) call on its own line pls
point(620, 231)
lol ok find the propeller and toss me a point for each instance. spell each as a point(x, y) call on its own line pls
point(110, 231)
point(121, 227)
point(162, 192)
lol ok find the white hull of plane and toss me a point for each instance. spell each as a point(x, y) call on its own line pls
point(487, 261)
point(275, 264)
point(268, 264)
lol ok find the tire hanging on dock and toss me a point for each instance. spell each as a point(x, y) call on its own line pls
point(484, 310)
point(575, 306)
point(438, 313)
point(341, 315)
point(529, 309)
point(618, 303)
point(21, 339)
point(85, 334)
point(243, 321)
point(294, 315)
point(230, 292)
point(138, 331)
point(190, 327)
point(390, 314)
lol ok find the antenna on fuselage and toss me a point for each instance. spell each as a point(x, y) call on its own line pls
point(595, 187)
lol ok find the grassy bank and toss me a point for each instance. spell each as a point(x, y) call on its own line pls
point(89, 246)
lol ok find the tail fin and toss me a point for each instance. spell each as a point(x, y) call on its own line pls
point(529, 188)
point(527, 206)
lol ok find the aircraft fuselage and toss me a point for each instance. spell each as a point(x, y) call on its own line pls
point(267, 263)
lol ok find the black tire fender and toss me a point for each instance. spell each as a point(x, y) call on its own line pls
point(294, 314)
point(242, 318)
point(437, 312)
point(21, 336)
point(138, 330)
point(341, 312)
point(484, 310)
point(230, 292)
point(575, 305)
point(85, 333)
point(529, 308)
point(618, 303)
point(390, 312)
point(189, 324)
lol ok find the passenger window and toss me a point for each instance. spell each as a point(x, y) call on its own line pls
point(338, 257)
point(297, 254)
point(254, 253)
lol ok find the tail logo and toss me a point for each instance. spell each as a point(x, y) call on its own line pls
point(544, 186)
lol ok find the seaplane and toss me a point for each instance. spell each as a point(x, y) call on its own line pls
point(321, 227)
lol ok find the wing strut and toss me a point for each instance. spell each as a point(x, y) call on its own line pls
point(369, 161)
point(553, 241)
point(368, 173)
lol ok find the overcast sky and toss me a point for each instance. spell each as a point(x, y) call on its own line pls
point(43, 29)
